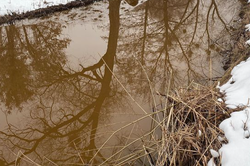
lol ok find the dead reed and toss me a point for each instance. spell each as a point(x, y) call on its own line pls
point(190, 127)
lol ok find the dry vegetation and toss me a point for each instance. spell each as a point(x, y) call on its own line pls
point(189, 130)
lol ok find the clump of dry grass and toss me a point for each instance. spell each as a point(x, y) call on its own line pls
point(190, 127)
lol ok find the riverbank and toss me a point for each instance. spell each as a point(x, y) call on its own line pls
point(235, 90)
point(15, 16)
point(239, 49)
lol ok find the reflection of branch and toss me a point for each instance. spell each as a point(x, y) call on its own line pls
point(144, 32)
point(29, 47)
point(85, 94)
point(207, 22)
point(213, 3)
point(45, 40)
point(196, 21)
point(184, 13)
point(218, 14)
point(53, 130)
point(183, 52)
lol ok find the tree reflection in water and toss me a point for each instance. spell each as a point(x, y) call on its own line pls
point(65, 105)
point(67, 115)
point(180, 40)
point(29, 54)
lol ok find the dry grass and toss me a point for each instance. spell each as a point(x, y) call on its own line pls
point(190, 127)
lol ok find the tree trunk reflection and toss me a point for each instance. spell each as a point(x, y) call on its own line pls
point(78, 129)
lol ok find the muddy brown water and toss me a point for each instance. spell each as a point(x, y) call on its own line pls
point(79, 87)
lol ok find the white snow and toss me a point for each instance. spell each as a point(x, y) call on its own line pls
point(211, 162)
point(248, 42)
point(220, 100)
point(236, 128)
point(237, 88)
point(199, 133)
point(247, 27)
point(221, 138)
point(19, 6)
point(214, 153)
point(236, 153)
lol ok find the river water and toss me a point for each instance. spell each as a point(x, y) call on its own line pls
point(81, 86)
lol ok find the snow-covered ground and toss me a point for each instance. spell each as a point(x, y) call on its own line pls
point(237, 127)
point(19, 6)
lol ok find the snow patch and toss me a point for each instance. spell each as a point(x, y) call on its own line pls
point(220, 100)
point(199, 133)
point(211, 162)
point(19, 6)
point(236, 128)
point(214, 153)
point(247, 27)
point(248, 42)
point(237, 89)
point(221, 139)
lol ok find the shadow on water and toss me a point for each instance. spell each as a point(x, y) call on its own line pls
point(174, 42)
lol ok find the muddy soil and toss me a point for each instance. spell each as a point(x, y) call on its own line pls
point(11, 18)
